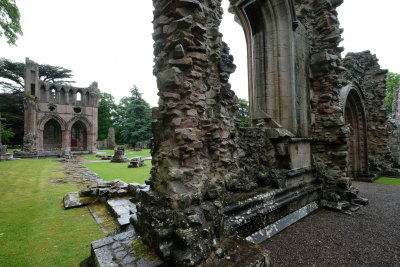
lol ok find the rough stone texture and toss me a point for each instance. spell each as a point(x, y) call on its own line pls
point(136, 162)
point(237, 252)
point(119, 155)
point(193, 135)
point(55, 119)
point(122, 209)
point(119, 250)
point(394, 141)
point(394, 128)
point(364, 69)
point(109, 142)
point(212, 179)
point(72, 200)
point(105, 189)
point(3, 152)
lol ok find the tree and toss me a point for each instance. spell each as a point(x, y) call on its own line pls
point(10, 26)
point(12, 108)
point(242, 113)
point(134, 118)
point(6, 135)
point(392, 81)
point(106, 115)
point(14, 73)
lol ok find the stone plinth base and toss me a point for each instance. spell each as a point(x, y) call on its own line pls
point(25, 154)
point(5, 157)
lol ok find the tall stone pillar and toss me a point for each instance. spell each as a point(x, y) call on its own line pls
point(193, 132)
point(30, 99)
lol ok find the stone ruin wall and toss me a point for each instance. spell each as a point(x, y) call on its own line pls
point(195, 148)
point(363, 68)
point(394, 128)
point(204, 165)
point(109, 142)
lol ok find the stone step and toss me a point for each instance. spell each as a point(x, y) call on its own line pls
point(122, 210)
point(251, 215)
point(122, 250)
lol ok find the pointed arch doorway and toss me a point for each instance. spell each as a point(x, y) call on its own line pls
point(78, 137)
point(52, 136)
point(354, 113)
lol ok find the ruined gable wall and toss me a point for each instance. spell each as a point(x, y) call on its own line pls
point(329, 131)
point(364, 69)
point(205, 167)
point(394, 128)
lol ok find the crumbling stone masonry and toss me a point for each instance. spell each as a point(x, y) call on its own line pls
point(109, 142)
point(394, 127)
point(369, 81)
point(212, 179)
point(58, 118)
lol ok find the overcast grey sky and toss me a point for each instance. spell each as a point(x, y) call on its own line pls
point(112, 44)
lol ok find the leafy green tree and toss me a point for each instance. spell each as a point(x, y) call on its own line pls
point(10, 26)
point(242, 113)
point(392, 81)
point(13, 74)
point(12, 109)
point(134, 118)
point(6, 135)
point(106, 115)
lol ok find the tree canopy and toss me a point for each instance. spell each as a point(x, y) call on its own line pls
point(10, 26)
point(134, 118)
point(242, 112)
point(131, 118)
point(392, 81)
point(12, 108)
point(106, 115)
point(13, 74)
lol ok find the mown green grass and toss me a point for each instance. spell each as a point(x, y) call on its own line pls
point(128, 153)
point(35, 230)
point(388, 181)
point(110, 171)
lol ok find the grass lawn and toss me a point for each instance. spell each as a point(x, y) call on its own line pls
point(388, 181)
point(111, 171)
point(35, 230)
point(128, 153)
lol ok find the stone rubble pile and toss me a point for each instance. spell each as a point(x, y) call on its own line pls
point(106, 189)
point(136, 162)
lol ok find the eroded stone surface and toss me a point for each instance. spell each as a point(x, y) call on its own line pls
point(106, 189)
point(72, 200)
point(119, 155)
point(121, 250)
point(210, 177)
point(238, 252)
point(122, 209)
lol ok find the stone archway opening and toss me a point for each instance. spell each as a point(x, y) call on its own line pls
point(234, 35)
point(78, 137)
point(52, 136)
point(357, 166)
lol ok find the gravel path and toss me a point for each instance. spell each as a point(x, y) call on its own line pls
point(370, 237)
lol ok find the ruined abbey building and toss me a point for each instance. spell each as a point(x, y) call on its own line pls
point(59, 118)
point(317, 123)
